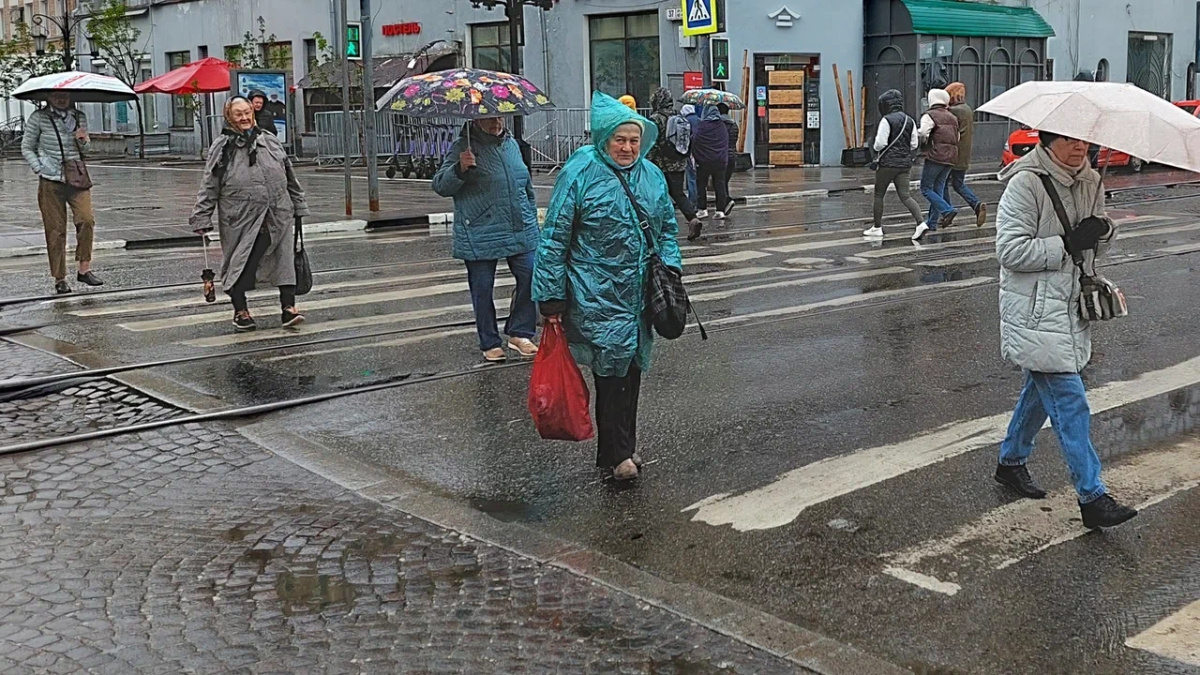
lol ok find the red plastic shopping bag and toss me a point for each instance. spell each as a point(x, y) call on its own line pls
point(558, 397)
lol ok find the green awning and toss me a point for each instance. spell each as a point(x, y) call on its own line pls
point(959, 17)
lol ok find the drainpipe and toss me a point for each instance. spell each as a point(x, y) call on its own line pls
point(545, 55)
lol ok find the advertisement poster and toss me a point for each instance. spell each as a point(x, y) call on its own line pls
point(271, 83)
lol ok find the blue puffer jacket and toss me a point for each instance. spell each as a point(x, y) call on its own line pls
point(593, 253)
point(495, 212)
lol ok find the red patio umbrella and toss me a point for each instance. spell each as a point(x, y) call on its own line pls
point(201, 77)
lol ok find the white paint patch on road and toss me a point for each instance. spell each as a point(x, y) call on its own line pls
point(926, 582)
point(783, 500)
point(740, 256)
point(1015, 532)
point(845, 301)
point(1176, 637)
point(803, 281)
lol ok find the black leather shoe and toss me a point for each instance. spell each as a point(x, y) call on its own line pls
point(89, 278)
point(1018, 478)
point(1105, 512)
point(62, 287)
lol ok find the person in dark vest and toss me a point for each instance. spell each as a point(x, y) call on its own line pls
point(896, 144)
point(965, 115)
point(939, 132)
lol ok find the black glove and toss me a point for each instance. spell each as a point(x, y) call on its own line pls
point(1086, 235)
point(552, 307)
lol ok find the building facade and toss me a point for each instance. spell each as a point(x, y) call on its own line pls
point(782, 54)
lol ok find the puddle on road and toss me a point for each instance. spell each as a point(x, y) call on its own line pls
point(305, 593)
point(508, 511)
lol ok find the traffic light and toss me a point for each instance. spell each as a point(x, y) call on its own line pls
point(354, 41)
point(719, 47)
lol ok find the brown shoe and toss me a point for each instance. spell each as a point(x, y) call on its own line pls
point(981, 215)
point(626, 470)
point(523, 347)
point(495, 355)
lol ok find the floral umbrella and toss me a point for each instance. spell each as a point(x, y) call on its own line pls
point(464, 92)
point(701, 97)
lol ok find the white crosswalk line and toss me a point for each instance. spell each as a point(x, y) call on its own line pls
point(1017, 531)
point(844, 301)
point(803, 281)
point(313, 327)
point(1153, 231)
point(740, 256)
point(914, 250)
point(400, 342)
point(784, 499)
point(961, 260)
point(1176, 637)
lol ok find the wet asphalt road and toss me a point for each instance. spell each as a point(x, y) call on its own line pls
point(822, 344)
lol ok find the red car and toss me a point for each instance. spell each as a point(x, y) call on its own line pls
point(1023, 140)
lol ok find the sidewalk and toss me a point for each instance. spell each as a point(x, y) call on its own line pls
point(191, 549)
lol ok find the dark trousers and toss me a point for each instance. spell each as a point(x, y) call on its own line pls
point(616, 417)
point(522, 317)
point(237, 293)
point(899, 178)
point(729, 167)
point(675, 184)
point(715, 172)
point(958, 182)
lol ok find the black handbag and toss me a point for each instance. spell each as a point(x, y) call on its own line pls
point(304, 277)
point(1099, 298)
point(667, 303)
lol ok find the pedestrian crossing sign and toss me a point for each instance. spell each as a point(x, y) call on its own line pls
point(699, 17)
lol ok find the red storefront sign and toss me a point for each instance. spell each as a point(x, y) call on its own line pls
point(394, 29)
point(693, 79)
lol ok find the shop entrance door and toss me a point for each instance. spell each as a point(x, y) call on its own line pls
point(786, 106)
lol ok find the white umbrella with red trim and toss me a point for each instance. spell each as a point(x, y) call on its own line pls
point(83, 88)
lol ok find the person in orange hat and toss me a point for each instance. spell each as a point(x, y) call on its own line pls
point(629, 101)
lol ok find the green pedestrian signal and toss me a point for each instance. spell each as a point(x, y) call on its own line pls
point(719, 48)
point(354, 41)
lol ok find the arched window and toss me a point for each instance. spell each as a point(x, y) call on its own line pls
point(970, 73)
point(999, 72)
point(1102, 71)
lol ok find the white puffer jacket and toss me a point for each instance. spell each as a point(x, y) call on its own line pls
point(1040, 326)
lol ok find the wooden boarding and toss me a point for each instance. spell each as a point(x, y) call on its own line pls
point(786, 136)
point(786, 78)
point(787, 116)
point(786, 96)
point(787, 157)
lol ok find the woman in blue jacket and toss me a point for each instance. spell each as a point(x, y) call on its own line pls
point(495, 216)
point(591, 268)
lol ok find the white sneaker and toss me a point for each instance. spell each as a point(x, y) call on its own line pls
point(719, 215)
point(873, 232)
point(702, 213)
point(921, 230)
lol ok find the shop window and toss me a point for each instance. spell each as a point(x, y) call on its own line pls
point(624, 55)
point(490, 47)
point(181, 113)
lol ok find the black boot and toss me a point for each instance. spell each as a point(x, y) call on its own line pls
point(694, 228)
point(88, 278)
point(1105, 512)
point(1018, 478)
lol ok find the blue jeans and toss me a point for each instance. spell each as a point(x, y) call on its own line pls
point(1060, 397)
point(958, 181)
point(522, 316)
point(691, 182)
point(933, 185)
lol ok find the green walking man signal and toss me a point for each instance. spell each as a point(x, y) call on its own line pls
point(354, 41)
point(719, 47)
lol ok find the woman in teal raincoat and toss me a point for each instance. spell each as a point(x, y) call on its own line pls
point(591, 268)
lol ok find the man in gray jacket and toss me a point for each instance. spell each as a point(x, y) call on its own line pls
point(1041, 329)
point(50, 133)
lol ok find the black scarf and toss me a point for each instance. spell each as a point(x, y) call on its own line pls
point(238, 139)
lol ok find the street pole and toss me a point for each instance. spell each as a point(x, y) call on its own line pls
point(370, 152)
point(347, 141)
point(515, 10)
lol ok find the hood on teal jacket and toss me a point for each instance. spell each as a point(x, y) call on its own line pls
point(495, 211)
point(593, 254)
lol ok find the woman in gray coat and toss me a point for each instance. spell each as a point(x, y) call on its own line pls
point(249, 182)
point(1041, 328)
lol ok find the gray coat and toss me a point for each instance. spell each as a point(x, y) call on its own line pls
point(246, 199)
point(40, 146)
point(1040, 326)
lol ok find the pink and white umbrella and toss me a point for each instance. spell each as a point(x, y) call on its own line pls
point(83, 88)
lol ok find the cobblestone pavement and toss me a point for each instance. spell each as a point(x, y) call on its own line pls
point(99, 404)
point(192, 550)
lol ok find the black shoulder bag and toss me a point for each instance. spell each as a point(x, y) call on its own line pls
point(304, 277)
point(667, 303)
point(1099, 298)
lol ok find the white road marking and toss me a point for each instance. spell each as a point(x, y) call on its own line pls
point(1152, 231)
point(803, 281)
point(1176, 637)
point(374, 345)
point(1007, 535)
point(783, 500)
point(740, 256)
point(324, 327)
point(910, 250)
point(845, 301)
point(926, 582)
point(961, 260)
point(806, 262)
